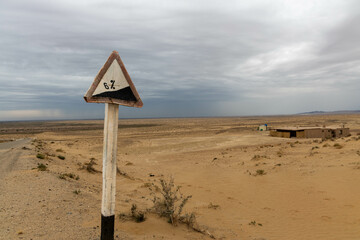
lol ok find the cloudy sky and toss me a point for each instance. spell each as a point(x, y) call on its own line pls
point(186, 58)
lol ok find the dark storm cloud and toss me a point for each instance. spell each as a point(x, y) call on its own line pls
point(199, 58)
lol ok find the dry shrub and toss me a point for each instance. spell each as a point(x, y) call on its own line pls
point(170, 204)
point(40, 156)
point(124, 174)
point(171, 201)
point(134, 215)
point(41, 167)
point(69, 175)
point(338, 146)
point(260, 172)
point(89, 166)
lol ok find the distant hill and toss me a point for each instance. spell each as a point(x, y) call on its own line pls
point(330, 112)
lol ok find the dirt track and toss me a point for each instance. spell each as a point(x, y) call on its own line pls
point(10, 153)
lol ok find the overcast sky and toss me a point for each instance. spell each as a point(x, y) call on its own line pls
point(186, 58)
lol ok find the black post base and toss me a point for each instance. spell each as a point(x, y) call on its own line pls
point(107, 227)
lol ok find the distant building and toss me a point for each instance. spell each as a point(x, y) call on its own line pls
point(310, 132)
point(263, 127)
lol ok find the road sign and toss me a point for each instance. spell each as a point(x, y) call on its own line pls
point(113, 85)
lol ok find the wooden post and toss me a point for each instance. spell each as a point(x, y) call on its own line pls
point(109, 171)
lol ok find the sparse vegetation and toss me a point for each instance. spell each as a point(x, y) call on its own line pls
point(254, 223)
point(124, 174)
point(260, 172)
point(326, 145)
point(77, 192)
point(315, 147)
point(41, 167)
point(61, 157)
point(135, 215)
point(89, 166)
point(59, 150)
point(258, 157)
point(69, 175)
point(171, 202)
point(40, 156)
point(138, 216)
point(189, 219)
point(338, 146)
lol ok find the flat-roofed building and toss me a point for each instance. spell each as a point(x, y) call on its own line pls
point(310, 132)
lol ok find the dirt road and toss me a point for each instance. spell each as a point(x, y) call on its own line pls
point(10, 154)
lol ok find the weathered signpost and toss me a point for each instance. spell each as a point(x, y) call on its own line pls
point(112, 86)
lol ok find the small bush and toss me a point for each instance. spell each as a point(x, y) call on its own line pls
point(254, 223)
point(69, 175)
point(61, 157)
point(59, 150)
point(41, 167)
point(62, 176)
point(40, 156)
point(77, 192)
point(171, 201)
point(258, 157)
point(260, 172)
point(138, 216)
point(89, 166)
point(338, 146)
point(135, 215)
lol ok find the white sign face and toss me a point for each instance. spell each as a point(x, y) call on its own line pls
point(113, 85)
point(112, 81)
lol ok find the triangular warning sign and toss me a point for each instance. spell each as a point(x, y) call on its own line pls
point(113, 85)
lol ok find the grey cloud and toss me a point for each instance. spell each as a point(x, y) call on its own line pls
point(186, 59)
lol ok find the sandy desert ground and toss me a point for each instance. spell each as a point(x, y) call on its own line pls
point(244, 183)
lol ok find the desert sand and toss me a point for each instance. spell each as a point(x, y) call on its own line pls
point(244, 183)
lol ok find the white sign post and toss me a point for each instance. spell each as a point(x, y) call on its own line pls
point(112, 86)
